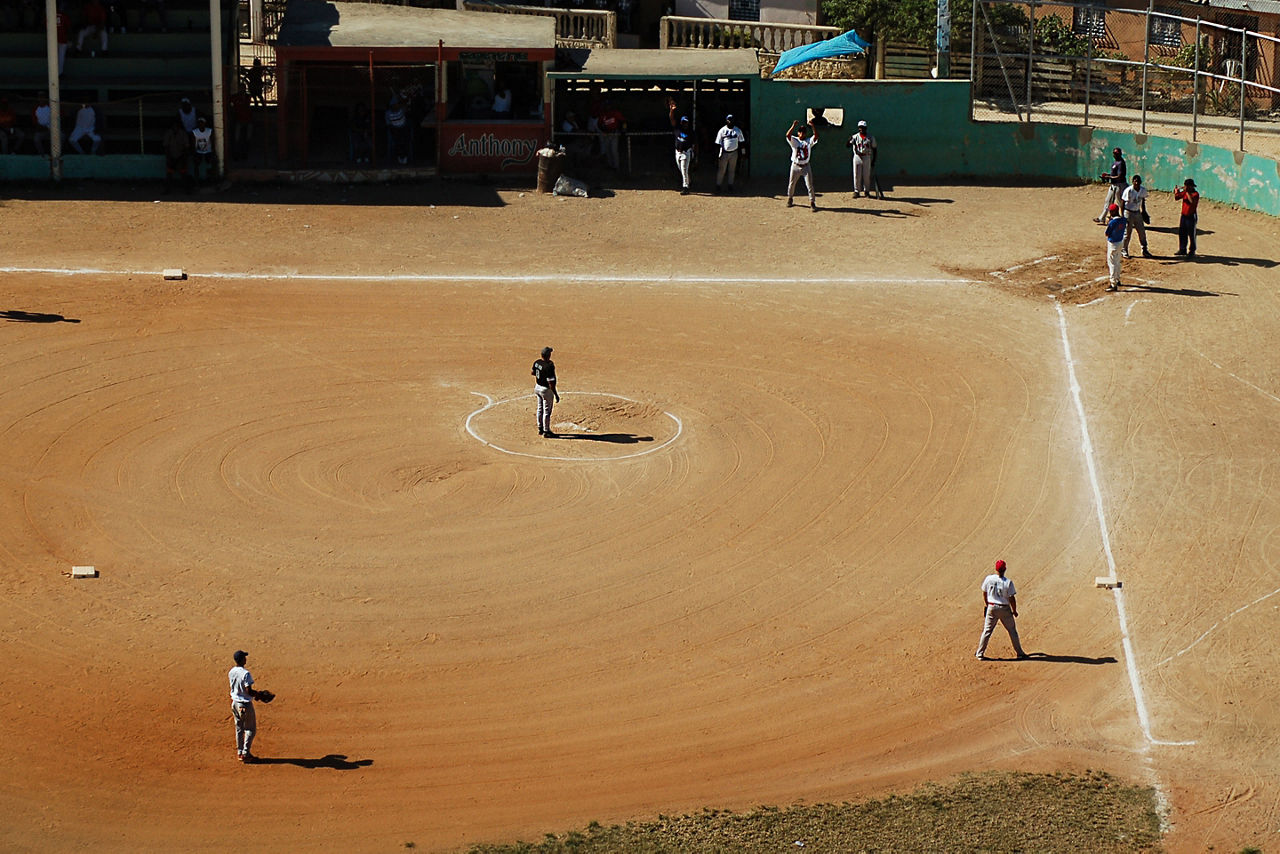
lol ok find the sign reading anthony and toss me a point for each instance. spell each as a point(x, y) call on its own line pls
point(491, 148)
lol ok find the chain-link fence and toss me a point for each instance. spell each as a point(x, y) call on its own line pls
point(1180, 70)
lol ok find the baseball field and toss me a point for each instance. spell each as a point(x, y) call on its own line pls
point(747, 572)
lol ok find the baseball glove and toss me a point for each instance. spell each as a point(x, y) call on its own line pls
point(265, 696)
point(1146, 218)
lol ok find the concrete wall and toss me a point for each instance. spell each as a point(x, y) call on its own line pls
point(111, 167)
point(924, 133)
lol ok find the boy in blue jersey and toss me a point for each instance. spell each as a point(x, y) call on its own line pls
point(1116, 226)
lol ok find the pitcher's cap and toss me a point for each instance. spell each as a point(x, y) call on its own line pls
point(546, 351)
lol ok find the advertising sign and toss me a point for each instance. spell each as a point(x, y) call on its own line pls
point(496, 147)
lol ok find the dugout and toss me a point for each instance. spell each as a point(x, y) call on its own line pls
point(706, 84)
point(346, 70)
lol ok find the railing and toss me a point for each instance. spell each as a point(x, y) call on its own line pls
point(717, 33)
point(574, 27)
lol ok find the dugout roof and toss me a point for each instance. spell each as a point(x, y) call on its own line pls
point(671, 64)
point(317, 23)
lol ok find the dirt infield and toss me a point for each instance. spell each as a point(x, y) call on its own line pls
point(795, 442)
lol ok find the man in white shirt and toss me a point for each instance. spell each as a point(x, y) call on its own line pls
point(202, 145)
point(729, 142)
point(242, 696)
point(801, 149)
point(999, 604)
point(1134, 199)
point(86, 124)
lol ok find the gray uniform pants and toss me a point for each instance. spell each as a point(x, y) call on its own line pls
point(546, 400)
point(1004, 615)
point(797, 172)
point(246, 724)
point(1135, 222)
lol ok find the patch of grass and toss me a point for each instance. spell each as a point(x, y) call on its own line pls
point(991, 812)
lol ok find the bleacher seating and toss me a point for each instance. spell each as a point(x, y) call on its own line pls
point(135, 85)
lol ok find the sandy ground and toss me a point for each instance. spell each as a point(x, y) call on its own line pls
point(749, 572)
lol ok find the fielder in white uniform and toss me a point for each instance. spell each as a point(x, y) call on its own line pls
point(863, 145)
point(729, 141)
point(999, 604)
point(242, 696)
point(801, 149)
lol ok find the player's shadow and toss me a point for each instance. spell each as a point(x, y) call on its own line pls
point(885, 212)
point(18, 316)
point(614, 438)
point(1178, 292)
point(334, 761)
point(1069, 659)
point(1265, 263)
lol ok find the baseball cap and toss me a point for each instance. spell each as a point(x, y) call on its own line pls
point(240, 656)
point(729, 117)
point(1113, 209)
point(185, 101)
point(862, 124)
point(546, 351)
point(999, 564)
point(1116, 151)
point(1188, 183)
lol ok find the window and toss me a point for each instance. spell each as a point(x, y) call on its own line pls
point(744, 10)
point(1090, 20)
point(1165, 32)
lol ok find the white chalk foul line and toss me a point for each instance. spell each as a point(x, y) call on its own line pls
point(1215, 626)
point(1086, 447)
point(490, 403)
point(571, 278)
point(1239, 379)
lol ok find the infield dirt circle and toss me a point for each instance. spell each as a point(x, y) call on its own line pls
point(747, 572)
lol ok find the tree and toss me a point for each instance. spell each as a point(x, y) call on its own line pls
point(913, 21)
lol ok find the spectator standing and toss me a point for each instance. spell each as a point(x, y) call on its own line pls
point(206, 163)
point(863, 145)
point(1119, 179)
point(397, 131)
point(1190, 218)
point(241, 124)
point(729, 142)
point(187, 114)
point(1134, 199)
point(177, 154)
point(11, 136)
point(86, 125)
point(360, 135)
point(94, 17)
point(63, 24)
point(801, 149)
point(257, 82)
point(612, 124)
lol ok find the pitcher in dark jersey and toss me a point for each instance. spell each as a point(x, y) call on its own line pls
point(544, 378)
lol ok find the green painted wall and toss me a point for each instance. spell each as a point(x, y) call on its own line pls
point(110, 167)
point(923, 132)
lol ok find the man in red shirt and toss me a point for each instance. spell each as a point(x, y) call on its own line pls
point(1187, 225)
point(611, 124)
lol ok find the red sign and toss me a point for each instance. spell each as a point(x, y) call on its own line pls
point(479, 147)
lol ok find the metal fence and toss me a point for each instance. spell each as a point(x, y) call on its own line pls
point(1176, 69)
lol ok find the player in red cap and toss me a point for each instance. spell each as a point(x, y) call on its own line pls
point(999, 603)
point(1116, 226)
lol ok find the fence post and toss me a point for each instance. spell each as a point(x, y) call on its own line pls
point(1146, 61)
point(1244, 56)
point(142, 145)
point(1031, 52)
point(1088, 78)
point(1195, 87)
point(973, 53)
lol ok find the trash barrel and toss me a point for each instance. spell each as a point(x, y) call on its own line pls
point(550, 167)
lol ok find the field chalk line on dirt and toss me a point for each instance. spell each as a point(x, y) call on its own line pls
point(1086, 447)
point(572, 278)
point(490, 403)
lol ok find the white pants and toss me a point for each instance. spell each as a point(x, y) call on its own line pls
point(861, 174)
point(1113, 261)
point(796, 173)
point(1135, 223)
point(609, 147)
point(79, 134)
point(1113, 198)
point(683, 160)
point(728, 167)
point(546, 400)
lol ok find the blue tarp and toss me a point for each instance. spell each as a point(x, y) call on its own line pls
point(843, 45)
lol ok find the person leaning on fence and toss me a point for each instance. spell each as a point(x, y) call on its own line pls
point(1118, 179)
point(612, 124)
